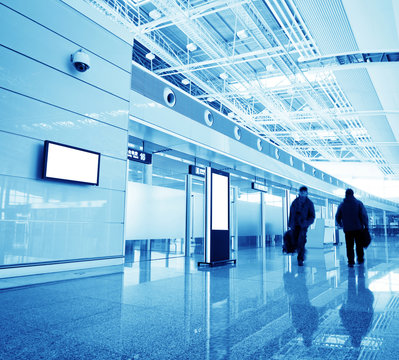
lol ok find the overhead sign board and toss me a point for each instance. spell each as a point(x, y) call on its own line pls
point(196, 170)
point(139, 156)
point(259, 187)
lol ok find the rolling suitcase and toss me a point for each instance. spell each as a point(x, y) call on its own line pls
point(289, 246)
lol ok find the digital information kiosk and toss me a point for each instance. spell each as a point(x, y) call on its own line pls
point(217, 218)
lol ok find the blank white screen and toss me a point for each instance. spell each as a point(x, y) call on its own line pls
point(220, 202)
point(71, 164)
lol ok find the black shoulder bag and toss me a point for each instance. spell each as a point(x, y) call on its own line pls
point(365, 233)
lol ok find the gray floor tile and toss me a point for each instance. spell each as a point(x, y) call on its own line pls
point(265, 307)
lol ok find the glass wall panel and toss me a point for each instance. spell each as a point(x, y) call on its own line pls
point(58, 222)
point(273, 218)
point(156, 205)
point(155, 222)
point(248, 218)
point(197, 208)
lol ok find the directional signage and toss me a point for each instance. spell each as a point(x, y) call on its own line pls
point(139, 156)
point(196, 170)
point(259, 187)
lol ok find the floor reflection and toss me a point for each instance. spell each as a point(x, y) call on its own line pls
point(357, 312)
point(264, 307)
point(153, 249)
point(305, 317)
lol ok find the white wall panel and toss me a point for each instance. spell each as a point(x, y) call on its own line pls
point(29, 241)
point(34, 79)
point(23, 157)
point(26, 116)
point(58, 201)
point(57, 16)
point(113, 173)
point(20, 156)
point(36, 41)
point(44, 98)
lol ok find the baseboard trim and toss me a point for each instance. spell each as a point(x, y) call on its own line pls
point(37, 269)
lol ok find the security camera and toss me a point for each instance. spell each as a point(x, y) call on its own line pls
point(80, 61)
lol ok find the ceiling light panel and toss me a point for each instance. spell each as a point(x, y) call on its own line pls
point(150, 56)
point(242, 34)
point(191, 47)
point(155, 14)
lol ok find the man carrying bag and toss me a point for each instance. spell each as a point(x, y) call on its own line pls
point(302, 215)
point(352, 216)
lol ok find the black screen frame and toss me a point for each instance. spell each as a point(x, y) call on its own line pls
point(45, 157)
point(220, 243)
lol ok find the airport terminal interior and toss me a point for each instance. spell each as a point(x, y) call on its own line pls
point(151, 152)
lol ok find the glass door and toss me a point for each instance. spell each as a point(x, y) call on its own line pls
point(195, 226)
point(233, 222)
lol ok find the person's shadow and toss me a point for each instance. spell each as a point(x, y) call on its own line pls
point(305, 317)
point(357, 312)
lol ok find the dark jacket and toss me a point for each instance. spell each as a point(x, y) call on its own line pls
point(352, 215)
point(301, 213)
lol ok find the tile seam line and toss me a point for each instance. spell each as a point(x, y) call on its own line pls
point(47, 28)
point(53, 282)
point(67, 74)
point(62, 108)
point(33, 138)
point(41, 179)
point(59, 262)
point(94, 22)
point(66, 221)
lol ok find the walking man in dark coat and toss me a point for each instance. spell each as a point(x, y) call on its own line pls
point(352, 216)
point(302, 215)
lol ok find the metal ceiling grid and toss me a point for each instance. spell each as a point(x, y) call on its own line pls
point(328, 20)
point(276, 81)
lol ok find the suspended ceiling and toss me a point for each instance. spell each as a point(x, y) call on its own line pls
point(319, 78)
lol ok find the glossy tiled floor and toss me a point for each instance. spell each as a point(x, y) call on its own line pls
point(265, 307)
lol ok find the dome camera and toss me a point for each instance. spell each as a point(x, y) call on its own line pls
point(80, 61)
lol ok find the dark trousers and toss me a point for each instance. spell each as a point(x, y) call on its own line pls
point(352, 237)
point(300, 238)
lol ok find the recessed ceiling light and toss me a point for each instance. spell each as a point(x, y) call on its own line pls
point(270, 67)
point(211, 99)
point(224, 76)
point(191, 47)
point(242, 34)
point(150, 56)
point(185, 81)
point(231, 114)
point(154, 14)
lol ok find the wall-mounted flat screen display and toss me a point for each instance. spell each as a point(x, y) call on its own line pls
point(220, 202)
point(69, 163)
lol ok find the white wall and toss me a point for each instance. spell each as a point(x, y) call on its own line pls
point(42, 97)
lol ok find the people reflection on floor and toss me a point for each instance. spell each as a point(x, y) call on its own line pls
point(357, 312)
point(305, 317)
